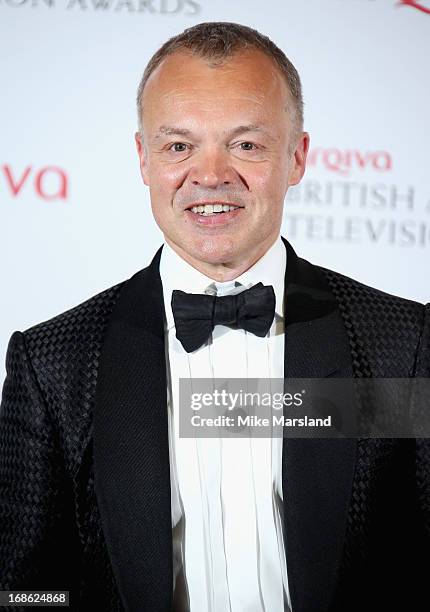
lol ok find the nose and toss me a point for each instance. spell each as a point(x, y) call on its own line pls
point(211, 169)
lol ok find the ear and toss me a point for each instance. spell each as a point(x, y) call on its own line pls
point(298, 164)
point(143, 163)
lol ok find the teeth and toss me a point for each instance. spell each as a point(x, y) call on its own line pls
point(209, 209)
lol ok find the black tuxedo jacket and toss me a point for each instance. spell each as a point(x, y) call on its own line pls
point(84, 460)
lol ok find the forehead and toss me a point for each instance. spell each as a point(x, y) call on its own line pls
point(248, 82)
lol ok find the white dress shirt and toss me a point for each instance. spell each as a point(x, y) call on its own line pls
point(227, 498)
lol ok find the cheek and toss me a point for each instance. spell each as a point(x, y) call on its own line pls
point(164, 184)
point(270, 184)
point(166, 178)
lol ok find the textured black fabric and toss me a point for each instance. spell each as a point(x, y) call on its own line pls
point(50, 529)
point(423, 445)
point(389, 338)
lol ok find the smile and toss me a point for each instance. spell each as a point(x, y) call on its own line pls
point(213, 216)
point(213, 209)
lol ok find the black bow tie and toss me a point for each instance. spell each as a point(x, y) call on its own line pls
point(197, 314)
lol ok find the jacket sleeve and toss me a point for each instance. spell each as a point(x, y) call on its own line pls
point(35, 529)
point(423, 444)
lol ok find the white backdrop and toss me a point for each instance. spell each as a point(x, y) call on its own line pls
point(75, 215)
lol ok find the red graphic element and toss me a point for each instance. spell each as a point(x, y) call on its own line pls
point(415, 4)
point(15, 187)
point(343, 161)
point(62, 191)
point(40, 187)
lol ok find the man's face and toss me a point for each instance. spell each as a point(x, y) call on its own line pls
point(219, 136)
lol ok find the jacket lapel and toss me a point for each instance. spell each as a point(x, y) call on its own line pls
point(316, 473)
point(131, 453)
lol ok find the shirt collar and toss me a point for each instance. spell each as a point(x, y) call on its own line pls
point(176, 273)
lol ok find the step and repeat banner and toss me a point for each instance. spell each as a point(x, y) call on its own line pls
point(75, 215)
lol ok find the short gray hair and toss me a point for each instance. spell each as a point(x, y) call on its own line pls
point(217, 41)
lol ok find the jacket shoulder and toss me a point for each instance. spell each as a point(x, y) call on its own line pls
point(353, 293)
point(85, 316)
point(64, 352)
point(384, 330)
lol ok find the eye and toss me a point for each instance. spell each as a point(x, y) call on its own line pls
point(175, 147)
point(247, 146)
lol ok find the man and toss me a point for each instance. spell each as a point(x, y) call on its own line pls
point(100, 496)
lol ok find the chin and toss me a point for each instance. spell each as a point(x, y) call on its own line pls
point(213, 253)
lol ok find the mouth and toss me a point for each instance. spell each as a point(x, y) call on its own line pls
point(214, 208)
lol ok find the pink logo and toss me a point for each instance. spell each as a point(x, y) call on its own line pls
point(414, 4)
point(43, 179)
point(343, 161)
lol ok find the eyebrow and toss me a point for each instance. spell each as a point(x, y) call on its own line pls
point(166, 130)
